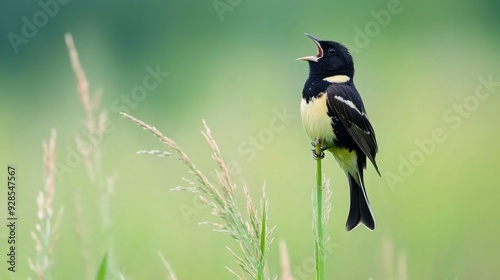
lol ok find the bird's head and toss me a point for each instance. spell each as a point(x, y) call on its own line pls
point(332, 59)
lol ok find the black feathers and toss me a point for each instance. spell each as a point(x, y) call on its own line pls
point(331, 73)
point(344, 101)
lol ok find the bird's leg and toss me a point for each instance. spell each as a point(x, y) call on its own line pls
point(323, 148)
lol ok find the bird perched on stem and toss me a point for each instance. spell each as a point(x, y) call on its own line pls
point(334, 116)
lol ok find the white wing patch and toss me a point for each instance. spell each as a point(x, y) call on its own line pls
point(350, 104)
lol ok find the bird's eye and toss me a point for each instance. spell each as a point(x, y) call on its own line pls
point(332, 51)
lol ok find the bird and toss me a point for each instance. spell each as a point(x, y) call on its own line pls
point(334, 116)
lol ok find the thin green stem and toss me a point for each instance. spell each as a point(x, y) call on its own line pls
point(262, 243)
point(320, 243)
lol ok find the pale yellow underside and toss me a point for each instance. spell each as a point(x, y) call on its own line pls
point(317, 123)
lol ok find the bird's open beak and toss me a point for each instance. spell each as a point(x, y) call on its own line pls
point(312, 57)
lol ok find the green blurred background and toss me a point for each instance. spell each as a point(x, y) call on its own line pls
point(417, 71)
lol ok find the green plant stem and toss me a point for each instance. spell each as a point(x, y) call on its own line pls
point(262, 243)
point(320, 244)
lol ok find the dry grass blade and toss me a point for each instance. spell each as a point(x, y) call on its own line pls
point(95, 126)
point(82, 83)
point(171, 274)
point(46, 232)
point(327, 204)
point(181, 155)
point(252, 236)
point(286, 272)
point(225, 179)
point(402, 273)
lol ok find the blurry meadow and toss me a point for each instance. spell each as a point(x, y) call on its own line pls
point(429, 75)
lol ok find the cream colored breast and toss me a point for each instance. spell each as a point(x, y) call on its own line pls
point(315, 119)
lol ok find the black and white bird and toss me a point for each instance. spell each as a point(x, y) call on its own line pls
point(333, 114)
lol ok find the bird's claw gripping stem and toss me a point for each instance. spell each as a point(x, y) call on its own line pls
point(316, 156)
point(321, 155)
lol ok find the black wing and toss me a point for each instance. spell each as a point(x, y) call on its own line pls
point(345, 102)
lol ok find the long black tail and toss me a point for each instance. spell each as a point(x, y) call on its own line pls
point(359, 211)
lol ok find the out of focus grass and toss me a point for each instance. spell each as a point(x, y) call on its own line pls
point(234, 73)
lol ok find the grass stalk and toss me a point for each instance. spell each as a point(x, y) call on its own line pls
point(95, 124)
point(46, 233)
point(262, 243)
point(320, 241)
point(286, 270)
point(253, 235)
